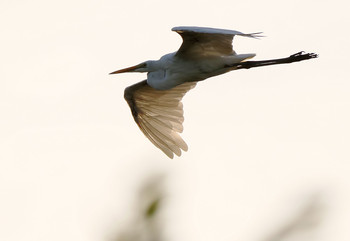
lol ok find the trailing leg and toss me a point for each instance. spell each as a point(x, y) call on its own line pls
point(291, 59)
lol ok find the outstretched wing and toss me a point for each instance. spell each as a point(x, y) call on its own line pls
point(159, 114)
point(199, 42)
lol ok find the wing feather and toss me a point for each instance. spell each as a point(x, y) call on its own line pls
point(154, 140)
point(199, 41)
point(159, 114)
point(161, 137)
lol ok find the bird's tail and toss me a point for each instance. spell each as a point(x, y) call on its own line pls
point(237, 58)
point(233, 60)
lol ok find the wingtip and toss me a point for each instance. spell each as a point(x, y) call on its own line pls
point(256, 35)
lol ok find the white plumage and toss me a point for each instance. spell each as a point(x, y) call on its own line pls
point(205, 52)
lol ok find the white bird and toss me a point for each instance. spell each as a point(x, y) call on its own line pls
point(155, 103)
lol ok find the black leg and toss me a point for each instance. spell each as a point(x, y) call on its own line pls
point(291, 59)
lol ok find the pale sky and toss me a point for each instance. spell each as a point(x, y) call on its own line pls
point(262, 142)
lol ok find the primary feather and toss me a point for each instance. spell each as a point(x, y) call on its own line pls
point(159, 114)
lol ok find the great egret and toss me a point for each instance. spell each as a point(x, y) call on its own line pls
point(155, 103)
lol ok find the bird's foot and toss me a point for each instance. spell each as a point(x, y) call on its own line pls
point(302, 56)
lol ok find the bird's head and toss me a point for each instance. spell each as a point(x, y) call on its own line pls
point(143, 67)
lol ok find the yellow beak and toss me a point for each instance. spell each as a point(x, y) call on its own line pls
point(130, 69)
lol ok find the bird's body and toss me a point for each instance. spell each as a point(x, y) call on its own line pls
point(205, 52)
point(172, 70)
